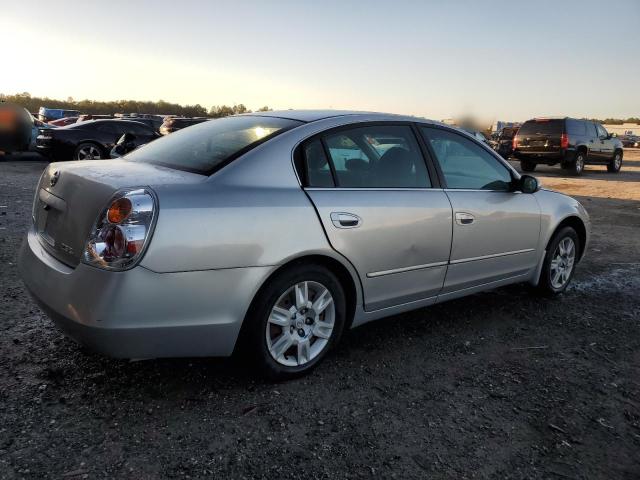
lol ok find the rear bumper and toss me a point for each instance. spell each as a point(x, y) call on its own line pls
point(140, 313)
point(544, 157)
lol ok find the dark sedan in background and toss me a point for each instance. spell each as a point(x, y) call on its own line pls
point(90, 140)
point(172, 124)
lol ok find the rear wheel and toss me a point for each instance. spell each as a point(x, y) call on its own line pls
point(527, 165)
point(559, 261)
point(88, 151)
point(294, 321)
point(615, 164)
point(576, 167)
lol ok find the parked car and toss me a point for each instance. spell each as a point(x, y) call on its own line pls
point(504, 141)
point(271, 233)
point(570, 142)
point(90, 116)
point(62, 122)
point(90, 140)
point(630, 141)
point(36, 127)
point(172, 124)
point(154, 123)
point(48, 114)
point(481, 137)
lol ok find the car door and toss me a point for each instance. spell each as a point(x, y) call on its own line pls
point(606, 144)
point(593, 142)
point(375, 197)
point(495, 230)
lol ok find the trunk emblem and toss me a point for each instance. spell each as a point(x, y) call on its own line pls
point(54, 178)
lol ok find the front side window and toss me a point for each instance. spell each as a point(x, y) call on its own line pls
point(464, 163)
point(602, 133)
point(377, 156)
point(205, 147)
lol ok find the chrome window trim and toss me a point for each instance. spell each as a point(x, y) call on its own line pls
point(373, 189)
point(449, 189)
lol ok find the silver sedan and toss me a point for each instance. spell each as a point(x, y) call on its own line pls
point(272, 233)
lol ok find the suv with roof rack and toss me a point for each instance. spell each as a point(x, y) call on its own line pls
point(570, 142)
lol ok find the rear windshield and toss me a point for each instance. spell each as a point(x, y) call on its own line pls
point(205, 147)
point(541, 127)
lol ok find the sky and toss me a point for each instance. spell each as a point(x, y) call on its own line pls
point(506, 60)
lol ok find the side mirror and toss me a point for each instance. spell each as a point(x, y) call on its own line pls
point(528, 184)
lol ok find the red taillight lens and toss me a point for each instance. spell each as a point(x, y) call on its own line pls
point(564, 141)
point(121, 232)
point(119, 210)
point(514, 142)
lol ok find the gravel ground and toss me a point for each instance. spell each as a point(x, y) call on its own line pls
point(503, 384)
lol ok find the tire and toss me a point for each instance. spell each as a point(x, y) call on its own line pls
point(268, 332)
point(527, 165)
point(88, 151)
point(576, 167)
point(615, 164)
point(550, 283)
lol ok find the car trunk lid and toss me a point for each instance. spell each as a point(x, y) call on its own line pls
point(70, 196)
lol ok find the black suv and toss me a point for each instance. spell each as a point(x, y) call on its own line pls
point(571, 143)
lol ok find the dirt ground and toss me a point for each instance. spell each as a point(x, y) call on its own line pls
point(503, 384)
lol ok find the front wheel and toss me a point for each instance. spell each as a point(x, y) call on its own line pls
point(297, 318)
point(559, 262)
point(615, 164)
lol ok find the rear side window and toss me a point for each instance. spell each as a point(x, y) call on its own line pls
point(576, 127)
point(138, 129)
point(110, 127)
point(541, 127)
point(376, 156)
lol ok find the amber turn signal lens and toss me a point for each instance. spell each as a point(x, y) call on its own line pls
point(119, 210)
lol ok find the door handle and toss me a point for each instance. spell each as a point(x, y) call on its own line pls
point(345, 220)
point(464, 218)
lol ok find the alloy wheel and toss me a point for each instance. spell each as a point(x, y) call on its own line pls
point(300, 324)
point(579, 163)
point(617, 161)
point(562, 263)
point(88, 152)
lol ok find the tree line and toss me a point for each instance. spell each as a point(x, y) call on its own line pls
point(126, 106)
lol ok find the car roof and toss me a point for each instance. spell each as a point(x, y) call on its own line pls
point(309, 116)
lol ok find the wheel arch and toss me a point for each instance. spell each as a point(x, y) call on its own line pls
point(580, 228)
point(582, 148)
point(341, 271)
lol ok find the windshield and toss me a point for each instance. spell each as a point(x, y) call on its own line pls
point(204, 147)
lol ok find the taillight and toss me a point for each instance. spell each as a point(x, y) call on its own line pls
point(122, 231)
point(514, 143)
point(564, 141)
